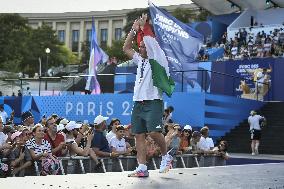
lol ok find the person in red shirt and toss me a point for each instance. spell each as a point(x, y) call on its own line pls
point(56, 140)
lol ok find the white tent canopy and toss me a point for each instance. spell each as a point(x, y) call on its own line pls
point(218, 7)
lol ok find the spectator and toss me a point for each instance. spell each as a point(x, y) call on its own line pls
point(173, 139)
point(167, 117)
point(56, 140)
point(28, 119)
point(3, 114)
point(112, 126)
point(185, 139)
point(28, 92)
point(20, 93)
point(129, 136)
point(118, 144)
point(255, 131)
point(40, 150)
point(20, 156)
point(3, 138)
point(100, 144)
point(152, 149)
point(222, 149)
point(206, 143)
point(196, 135)
point(38, 146)
point(71, 131)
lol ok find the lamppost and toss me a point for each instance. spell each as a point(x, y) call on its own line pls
point(47, 51)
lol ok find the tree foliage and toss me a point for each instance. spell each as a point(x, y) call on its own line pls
point(21, 46)
point(186, 15)
point(116, 50)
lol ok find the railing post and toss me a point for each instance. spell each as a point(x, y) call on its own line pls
point(205, 90)
point(182, 73)
point(39, 86)
point(202, 84)
point(256, 90)
point(73, 84)
point(233, 86)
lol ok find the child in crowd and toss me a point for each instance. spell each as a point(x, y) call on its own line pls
point(118, 144)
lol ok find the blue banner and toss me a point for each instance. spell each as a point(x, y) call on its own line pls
point(179, 41)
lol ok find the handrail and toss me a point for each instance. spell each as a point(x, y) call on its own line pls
point(71, 79)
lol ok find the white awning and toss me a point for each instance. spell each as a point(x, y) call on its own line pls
point(218, 7)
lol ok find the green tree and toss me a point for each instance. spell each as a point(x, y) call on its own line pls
point(116, 50)
point(21, 46)
point(203, 15)
point(85, 50)
point(131, 16)
point(184, 15)
point(14, 36)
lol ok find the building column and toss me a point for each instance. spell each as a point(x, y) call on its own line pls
point(81, 36)
point(97, 31)
point(39, 24)
point(109, 31)
point(54, 25)
point(124, 21)
point(67, 35)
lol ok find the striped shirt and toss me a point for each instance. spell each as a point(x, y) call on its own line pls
point(38, 149)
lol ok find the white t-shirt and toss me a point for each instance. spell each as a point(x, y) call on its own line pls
point(109, 136)
point(119, 145)
point(144, 89)
point(4, 116)
point(205, 143)
point(234, 50)
point(3, 138)
point(254, 122)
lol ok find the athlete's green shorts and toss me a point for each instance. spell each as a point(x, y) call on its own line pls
point(147, 116)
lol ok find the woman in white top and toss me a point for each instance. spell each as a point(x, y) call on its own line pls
point(114, 122)
point(71, 131)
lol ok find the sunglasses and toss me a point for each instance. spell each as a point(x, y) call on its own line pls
point(186, 131)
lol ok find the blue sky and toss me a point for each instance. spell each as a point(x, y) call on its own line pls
point(57, 6)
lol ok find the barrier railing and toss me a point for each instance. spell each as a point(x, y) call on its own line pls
point(82, 165)
point(204, 82)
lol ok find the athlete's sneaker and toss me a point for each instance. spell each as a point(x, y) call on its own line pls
point(166, 164)
point(139, 173)
point(253, 154)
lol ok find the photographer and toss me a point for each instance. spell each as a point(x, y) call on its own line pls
point(71, 130)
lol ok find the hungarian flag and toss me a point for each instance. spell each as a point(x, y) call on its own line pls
point(158, 61)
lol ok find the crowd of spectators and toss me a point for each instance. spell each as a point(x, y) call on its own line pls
point(54, 137)
point(248, 44)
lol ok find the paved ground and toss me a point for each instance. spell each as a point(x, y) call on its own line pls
point(266, 176)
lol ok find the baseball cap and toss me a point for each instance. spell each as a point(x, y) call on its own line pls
point(16, 134)
point(72, 125)
point(99, 119)
point(26, 115)
point(252, 112)
point(187, 127)
point(64, 121)
point(60, 127)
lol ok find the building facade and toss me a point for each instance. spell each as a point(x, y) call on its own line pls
point(74, 28)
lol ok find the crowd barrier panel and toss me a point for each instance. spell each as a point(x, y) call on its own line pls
point(82, 165)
